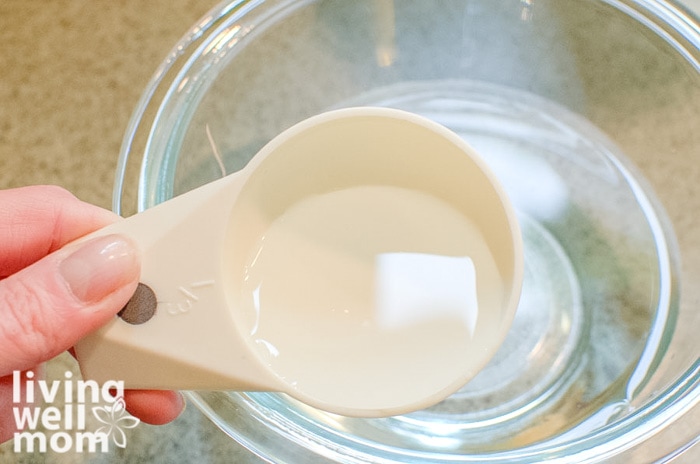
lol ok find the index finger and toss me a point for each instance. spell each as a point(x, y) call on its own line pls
point(37, 220)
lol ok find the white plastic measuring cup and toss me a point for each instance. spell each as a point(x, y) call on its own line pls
point(365, 262)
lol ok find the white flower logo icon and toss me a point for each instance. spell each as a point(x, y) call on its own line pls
point(115, 419)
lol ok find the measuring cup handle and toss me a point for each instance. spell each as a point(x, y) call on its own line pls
point(178, 331)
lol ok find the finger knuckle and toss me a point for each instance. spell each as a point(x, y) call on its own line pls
point(26, 333)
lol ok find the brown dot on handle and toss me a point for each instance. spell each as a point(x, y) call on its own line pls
point(141, 307)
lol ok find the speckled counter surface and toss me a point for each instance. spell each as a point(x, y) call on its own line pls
point(71, 72)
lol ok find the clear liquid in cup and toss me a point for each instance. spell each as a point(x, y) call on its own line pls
point(371, 296)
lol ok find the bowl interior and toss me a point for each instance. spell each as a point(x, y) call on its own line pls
point(586, 112)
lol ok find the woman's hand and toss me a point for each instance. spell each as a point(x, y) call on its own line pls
point(53, 293)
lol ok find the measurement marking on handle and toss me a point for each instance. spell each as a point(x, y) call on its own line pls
point(191, 294)
point(188, 293)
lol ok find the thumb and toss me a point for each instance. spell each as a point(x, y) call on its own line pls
point(48, 306)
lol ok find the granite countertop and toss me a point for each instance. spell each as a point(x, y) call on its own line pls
point(71, 72)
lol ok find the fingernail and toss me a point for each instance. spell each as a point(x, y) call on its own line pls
point(100, 267)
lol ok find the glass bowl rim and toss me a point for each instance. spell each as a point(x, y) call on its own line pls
point(670, 19)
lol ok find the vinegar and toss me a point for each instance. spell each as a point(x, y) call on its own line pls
point(373, 286)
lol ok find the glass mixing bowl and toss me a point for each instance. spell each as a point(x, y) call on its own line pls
point(586, 110)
